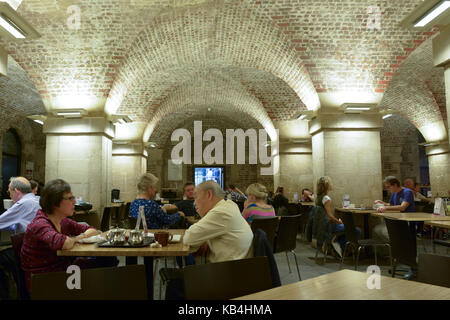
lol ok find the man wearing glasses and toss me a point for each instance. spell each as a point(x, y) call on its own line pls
point(24, 208)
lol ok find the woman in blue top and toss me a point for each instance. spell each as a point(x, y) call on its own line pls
point(156, 217)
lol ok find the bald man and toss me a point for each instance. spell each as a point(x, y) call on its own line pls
point(24, 208)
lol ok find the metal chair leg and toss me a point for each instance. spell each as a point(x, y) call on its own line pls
point(296, 263)
point(289, 266)
point(357, 258)
point(343, 255)
point(390, 256)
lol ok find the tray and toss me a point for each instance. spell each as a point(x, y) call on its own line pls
point(106, 244)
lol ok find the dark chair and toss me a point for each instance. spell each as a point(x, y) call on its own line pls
point(118, 283)
point(17, 241)
point(106, 219)
point(403, 244)
point(353, 242)
point(262, 248)
point(227, 280)
point(286, 238)
point(434, 269)
point(269, 225)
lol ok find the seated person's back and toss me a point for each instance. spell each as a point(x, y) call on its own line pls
point(256, 206)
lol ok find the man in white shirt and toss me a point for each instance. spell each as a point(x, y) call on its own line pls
point(222, 227)
point(24, 208)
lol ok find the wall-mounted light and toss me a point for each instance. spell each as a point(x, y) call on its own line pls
point(300, 140)
point(13, 26)
point(305, 115)
point(121, 119)
point(38, 118)
point(387, 116)
point(427, 14)
point(72, 113)
point(437, 10)
point(357, 107)
point(151, 144)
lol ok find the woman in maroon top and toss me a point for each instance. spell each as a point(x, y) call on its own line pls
point(52, 230)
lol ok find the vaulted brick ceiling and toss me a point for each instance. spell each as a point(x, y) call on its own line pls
point(134, 56)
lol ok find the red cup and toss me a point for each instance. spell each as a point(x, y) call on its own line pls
point(163, 237)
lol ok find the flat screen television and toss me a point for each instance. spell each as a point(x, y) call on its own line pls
point(209, 173)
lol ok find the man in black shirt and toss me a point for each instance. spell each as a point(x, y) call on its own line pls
point(187, 205)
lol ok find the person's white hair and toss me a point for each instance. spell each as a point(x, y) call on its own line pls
point(213, 186)
point(145, 181)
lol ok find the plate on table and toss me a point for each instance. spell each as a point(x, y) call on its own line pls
point(106, 244)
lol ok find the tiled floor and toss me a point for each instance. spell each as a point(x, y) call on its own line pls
point(308, 266)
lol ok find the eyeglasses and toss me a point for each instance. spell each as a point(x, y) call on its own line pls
point(71, 198)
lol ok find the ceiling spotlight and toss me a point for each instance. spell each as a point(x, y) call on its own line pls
point(39, 121)
point(387, 116)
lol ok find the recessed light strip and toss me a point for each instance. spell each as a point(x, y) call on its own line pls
point(9, 26)
point(358, 108)
point(433, 14)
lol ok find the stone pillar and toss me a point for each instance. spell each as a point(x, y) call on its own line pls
point(392, 160)
point(129, 162)
point(295, 168)
point(346, 147)
point(439, 164)
point(79, 151)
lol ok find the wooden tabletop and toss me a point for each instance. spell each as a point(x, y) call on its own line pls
point(440, 224)
point(357, 210)
point(352, 285)
point(410, 216)
point(172, 249)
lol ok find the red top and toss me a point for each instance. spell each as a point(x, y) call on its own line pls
point(40, 243)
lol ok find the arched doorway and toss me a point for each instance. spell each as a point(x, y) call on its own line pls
point(11, 159)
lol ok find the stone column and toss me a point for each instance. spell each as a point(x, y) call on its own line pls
point(392, 160)
point(439, 164)
point(346, 147)
point(295, 168)
point(129, 162)
point(79, 151)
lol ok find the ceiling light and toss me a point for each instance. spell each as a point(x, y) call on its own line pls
point(39, 121)
point(301, 117)
point(387, 116)
point(13, 26)
point(431, 15)
point(300, 140)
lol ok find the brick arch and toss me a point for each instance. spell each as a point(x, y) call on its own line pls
point(224, 96)
point(184, 119)
point(410, 93)
point(224, 35)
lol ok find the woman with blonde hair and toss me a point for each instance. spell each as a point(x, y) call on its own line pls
point(256, 206)
point(324, 186)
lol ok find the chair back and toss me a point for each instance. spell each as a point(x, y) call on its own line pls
point(17, 241)
point(118, 283)
point(403, 245)
point(434, 269)
point(349, 227)
point(286, 238)
point(227, 280)
point(293, 209)
point(269, 225)
point(106, 219)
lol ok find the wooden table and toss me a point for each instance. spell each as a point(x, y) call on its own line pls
point(439, 224)
point(172, 249)
point(365, 212)
point(352, 285)
point(410, 216)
